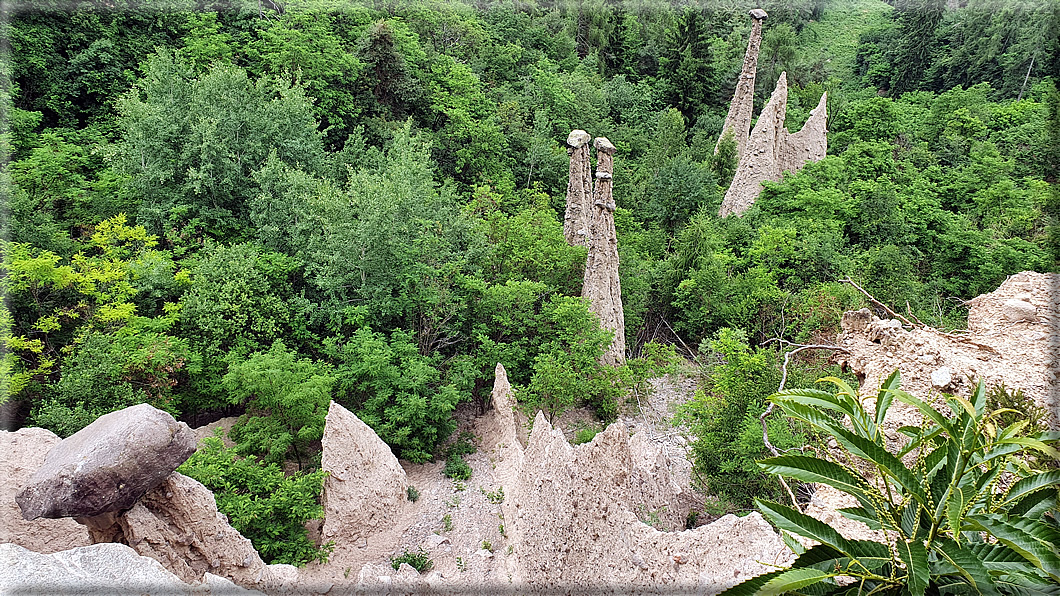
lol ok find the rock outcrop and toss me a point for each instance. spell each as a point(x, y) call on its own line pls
point(601, 285)
point(21, 454)
point(366, 485)
point(1003, 345)
point(97, 569)
point(579, 189)
point(107, 466)
point(738, 121)
point(178, 525)
point(580, 515)
point(771, 150)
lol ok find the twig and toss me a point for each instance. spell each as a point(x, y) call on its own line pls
point(783, 381)
point(689, 350)
point(873, 300)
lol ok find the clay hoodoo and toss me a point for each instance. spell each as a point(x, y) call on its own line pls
point(738, 121)
point(770, 150)
point(579, 189)
point(601, 286)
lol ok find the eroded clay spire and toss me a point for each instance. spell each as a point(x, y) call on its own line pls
point(579, 189)
point(601, 285)
point(738, 121)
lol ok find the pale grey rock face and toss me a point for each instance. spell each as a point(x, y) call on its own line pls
point(21, 454)
point(770, 150)
point(366, 486)
point(108, 465)
point(97, 569)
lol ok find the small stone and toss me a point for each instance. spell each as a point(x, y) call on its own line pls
point(942, 377)
point(1019, 310)
point(926, 358)
point(682, 558)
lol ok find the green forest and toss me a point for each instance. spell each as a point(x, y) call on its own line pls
point(255, 208)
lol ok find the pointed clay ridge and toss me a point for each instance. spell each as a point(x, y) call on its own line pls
point(738, 121)
point(771, 150)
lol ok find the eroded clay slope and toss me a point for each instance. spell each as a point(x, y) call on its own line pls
point(1012, 339)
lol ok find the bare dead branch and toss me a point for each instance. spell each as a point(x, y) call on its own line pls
point(783, 382)
point(873, 300)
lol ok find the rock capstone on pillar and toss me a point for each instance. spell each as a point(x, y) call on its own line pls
point(579, 189)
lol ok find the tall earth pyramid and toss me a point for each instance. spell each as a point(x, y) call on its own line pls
point(579, 189)
point(601, 286)
point(738, 121)
point(590, 221)
point(769, 150)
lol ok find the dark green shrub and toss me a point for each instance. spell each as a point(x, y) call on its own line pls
point(261, 502)
point(420, 560)
point(724, 421)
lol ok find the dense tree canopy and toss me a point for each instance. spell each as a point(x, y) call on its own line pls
point(266, 206)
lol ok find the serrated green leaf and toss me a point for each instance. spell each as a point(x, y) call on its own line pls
point(969, 566)
point(800, 524)
point(915, 558)
point(812, 469)
point(792, 580)
point(1031, 443)
point(886, 395)
point(888, 463)
point(1020, 537)
point(749, 587)
point(926, 410)
point(862, 515)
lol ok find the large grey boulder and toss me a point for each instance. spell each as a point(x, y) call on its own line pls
point(108, 465)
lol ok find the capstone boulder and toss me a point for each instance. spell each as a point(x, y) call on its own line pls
point(107, 466)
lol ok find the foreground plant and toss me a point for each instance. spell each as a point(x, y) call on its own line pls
point(971, 516)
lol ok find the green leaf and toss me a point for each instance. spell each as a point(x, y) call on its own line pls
point(926, 410)
point(886, 395)
point(969, 566)
point(954, 508)
point(914, 555)
point(812, 469)
point(862, 515)
point(803, 525)
point(1021, 537)
point(887, 462)
point(792, 580)
point(1031, 443)
point(750, 586)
